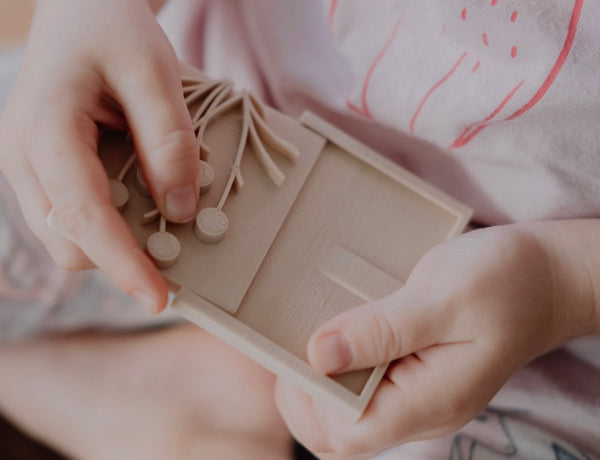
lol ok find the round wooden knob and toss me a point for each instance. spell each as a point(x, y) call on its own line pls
point(207, 176)
point(211, 225)
point(119, 194)
point(140, 183)
point(163, 248)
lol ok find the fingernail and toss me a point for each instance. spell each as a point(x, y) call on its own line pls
point(56, 225)
point(333, 353)
point(181, 203)
point(146, 301)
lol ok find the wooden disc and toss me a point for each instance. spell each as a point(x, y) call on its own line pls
point(207, 176)
point(140, 183)
point(163, 248)
point(211, 225)
point(119, 194)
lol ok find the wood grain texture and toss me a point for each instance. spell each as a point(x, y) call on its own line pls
point(386, 224)
point(344, 204)
point(272, 356)
point(355, 232)
point(357, 275)
point(346, 227)
point(387, 167)
point(223, 272)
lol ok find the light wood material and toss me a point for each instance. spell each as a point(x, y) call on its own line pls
point(345, 227)
point(164, 248)
point(207, 177)
point(343, 140)
point(277, 359)
point(255, 214)
point(119, 194)
point(357, 275)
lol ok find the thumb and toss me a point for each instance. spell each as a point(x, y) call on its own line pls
point(375, 333)
point(152, 98)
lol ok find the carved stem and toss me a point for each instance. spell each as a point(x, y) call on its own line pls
point(125, 168)
point(239, 154)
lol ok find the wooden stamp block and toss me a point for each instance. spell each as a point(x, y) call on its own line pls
point(313, 223)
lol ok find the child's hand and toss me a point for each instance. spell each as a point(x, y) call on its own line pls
point(473, 311)
point(90, 63)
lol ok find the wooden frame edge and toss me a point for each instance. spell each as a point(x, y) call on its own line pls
point(274, 358)
point(385, 166)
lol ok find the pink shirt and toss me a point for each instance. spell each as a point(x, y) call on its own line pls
point(497, 102)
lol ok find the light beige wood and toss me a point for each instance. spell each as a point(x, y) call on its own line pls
point(150, 216)
point(343, 140)
point(119, 194)
point(357, 275)
point(207, 177)
point(345, 227)
point(163, 247)
point(211, 225)
point(275, 358)
point(255, 214)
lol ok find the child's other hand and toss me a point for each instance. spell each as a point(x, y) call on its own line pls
point(91, 63)
point(473, 311)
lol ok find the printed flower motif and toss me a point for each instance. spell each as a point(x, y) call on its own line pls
point(496, 435)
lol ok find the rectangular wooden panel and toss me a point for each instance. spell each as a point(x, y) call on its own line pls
point(354, 233)
point(222, 272)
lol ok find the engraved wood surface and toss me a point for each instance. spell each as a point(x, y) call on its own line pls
point(345, 227)
point(223, 272)
point(355, 232)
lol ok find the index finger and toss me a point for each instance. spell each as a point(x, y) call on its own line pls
point(76, 184)
point(153, 103)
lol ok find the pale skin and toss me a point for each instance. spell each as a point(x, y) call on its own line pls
point(87, 64)
point(473, 311)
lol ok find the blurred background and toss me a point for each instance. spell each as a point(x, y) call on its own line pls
point(15, 18)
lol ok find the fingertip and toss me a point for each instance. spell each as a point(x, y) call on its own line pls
point(153, 300)
point(181, 203)
point(146, 300)
point(329, 352)
point(172, 169)
point(153, 293)
point(163, 300)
